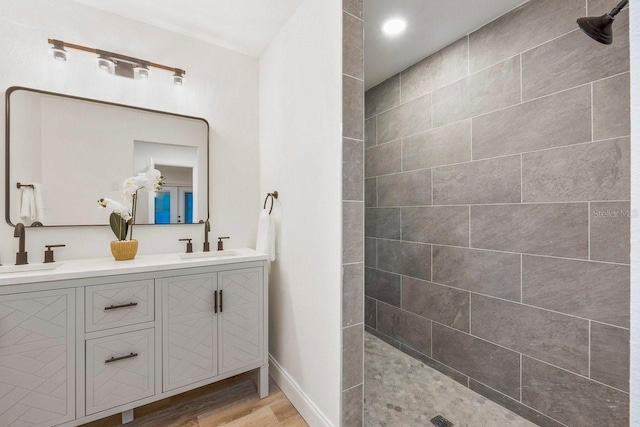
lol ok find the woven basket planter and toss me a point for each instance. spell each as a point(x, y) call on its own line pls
point(124, 250)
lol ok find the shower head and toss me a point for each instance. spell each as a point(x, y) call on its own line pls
point(600, 28)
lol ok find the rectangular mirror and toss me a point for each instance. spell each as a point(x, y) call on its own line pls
point(64, 153)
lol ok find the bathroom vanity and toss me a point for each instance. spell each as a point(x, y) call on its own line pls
point(92, 338)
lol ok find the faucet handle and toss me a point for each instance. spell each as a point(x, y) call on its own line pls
point(48, 254)
point(221, 243)
point(189, 245)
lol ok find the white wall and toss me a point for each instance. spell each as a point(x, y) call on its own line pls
point(634, 36)
point(300, 156)
point(221, 86)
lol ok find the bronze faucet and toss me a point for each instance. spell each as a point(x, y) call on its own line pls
point(21, 255)
point(207, 228)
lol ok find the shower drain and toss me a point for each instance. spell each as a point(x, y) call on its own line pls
point(440, 421)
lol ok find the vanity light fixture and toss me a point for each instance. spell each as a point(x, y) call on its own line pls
point(117, 64)
point(58, 51)
point(178, 77)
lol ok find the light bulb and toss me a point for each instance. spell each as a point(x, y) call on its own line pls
point(106, 64)
point(141, 71)
point(394, 26)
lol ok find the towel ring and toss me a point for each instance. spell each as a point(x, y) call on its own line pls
point(273, 196)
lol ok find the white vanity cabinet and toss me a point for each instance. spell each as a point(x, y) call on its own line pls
point(96, 346)
point(37, 358)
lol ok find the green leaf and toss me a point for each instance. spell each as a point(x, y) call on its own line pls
point(119, 226)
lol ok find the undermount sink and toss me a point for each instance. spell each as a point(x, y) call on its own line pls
point(28, 267)
point(214, 254)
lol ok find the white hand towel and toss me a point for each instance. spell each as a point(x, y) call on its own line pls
point(37, 195)
point(28, 208)
point(266, 240)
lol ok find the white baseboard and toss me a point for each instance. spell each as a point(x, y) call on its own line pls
point(305, 406)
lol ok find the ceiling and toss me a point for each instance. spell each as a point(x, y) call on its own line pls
point(246, 26)
point(431, 25)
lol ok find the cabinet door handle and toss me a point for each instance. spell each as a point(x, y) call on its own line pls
point(215, 301)
point(127, 305)
point(115, 359)
point(220, 300)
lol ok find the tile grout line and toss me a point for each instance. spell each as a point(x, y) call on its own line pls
point(589, 365)
point(461, 290)
point(589, 230)
point(508, 106)
point(503, 347)
point(521, 280)
point(520, 377)
point(496, 250)
point(560, 147)
point(591, 117)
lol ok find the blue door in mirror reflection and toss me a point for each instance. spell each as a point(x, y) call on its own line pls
point(163, 208)
point(174, 205)
point(188, 207)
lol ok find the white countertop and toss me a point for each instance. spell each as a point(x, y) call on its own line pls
point(100, 267)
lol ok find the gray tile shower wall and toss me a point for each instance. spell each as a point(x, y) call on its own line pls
point(497, 214)
point(353, 201)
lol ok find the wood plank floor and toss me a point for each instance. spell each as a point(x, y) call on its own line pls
point(230, 403)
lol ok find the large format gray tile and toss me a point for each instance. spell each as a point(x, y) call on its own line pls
point(444, 305)
point(610, 355)
point(527, 26)
point(352, 108)
point(552, 337)
point(584, 172)
point(593, 290)
point(440, 367)
point(382, 286)
point(352, 46)
point(352, 406)
point(442, 146)
point(571, 399)
point(484, 181)
point(370, 312)
point(611, 106)
point(444, 225)
point(370, 252)
point(383, 223)
point(408, 259)
point(574, 59)
point(407, 119)
point(545, 229)
point(406, 328)
point(370, 193)
point(353, 7)
point(352, 169)
point(405, 189)
point(610, 231)
point(488, 90)
point(560, 119)
point(352, 294)
point(352, 356)
point(352, 232)
point(370, 138)
point(443, 67)
point(492, 365)
point(382, 97)
point(383, 159)
point(513, 405)
point(486, 272)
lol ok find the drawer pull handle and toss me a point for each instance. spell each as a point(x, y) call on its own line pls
point(115, 359)
point(113, 307)
point(215, 302)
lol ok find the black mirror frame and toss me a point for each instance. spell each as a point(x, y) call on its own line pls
point(7, 152)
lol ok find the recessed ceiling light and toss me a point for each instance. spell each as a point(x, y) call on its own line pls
point(394, 26)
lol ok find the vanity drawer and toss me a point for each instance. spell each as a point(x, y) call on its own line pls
point(119, 304)
point(119, 369)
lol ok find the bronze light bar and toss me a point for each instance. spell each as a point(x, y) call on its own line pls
point(115, 63)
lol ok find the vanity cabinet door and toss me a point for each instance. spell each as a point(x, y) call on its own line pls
point(189, 329)
point(37, 358)
point(240, 321)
